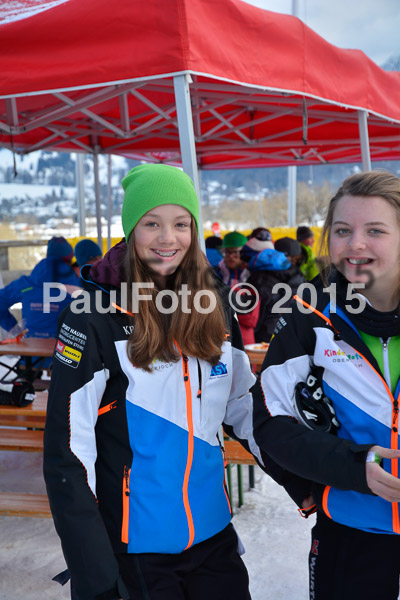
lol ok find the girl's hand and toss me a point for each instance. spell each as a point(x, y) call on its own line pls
point(308, 507)
point(379, 481)
point(308, 502)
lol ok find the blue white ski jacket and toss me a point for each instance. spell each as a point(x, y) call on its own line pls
point(132, 460)
point(332, 467)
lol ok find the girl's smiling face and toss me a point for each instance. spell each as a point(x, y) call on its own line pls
point(162, 238)
point(365, 247)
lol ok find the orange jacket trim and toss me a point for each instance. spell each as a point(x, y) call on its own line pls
point(189, 415)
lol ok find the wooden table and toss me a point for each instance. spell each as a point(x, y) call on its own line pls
point(256, 357)
point(34, 414)
point(30, 346)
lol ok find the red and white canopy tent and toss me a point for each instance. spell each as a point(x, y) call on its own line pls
point(208, 84)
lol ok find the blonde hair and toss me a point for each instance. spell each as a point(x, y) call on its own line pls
point(154, 333)
point(368, 184)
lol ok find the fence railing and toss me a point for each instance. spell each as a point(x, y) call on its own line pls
point(5, 245)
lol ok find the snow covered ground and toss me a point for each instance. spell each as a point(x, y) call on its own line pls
point(276, 539)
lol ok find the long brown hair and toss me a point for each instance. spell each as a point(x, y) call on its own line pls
point(368, 184)
point(197, 334)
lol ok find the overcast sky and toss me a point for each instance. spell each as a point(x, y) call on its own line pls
point(369, 25)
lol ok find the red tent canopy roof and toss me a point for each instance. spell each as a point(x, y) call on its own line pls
point(266, 88)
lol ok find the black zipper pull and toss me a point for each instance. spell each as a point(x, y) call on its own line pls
point(126, 476)
point(199, 373)
point(185, 362)
point(396, 412)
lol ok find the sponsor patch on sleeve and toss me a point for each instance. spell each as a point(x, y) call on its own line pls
point(69, 346)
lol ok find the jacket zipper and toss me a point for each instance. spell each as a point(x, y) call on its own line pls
point(189, 462)
point(108, 407)
point(224, 485)
point(386, 369)
point(394, 440)
point(200, 391)
point(386, 373)
point(125, 505)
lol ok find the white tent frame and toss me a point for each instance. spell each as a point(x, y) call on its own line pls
point(194, 99)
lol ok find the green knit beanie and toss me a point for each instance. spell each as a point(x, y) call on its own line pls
point(148, 186)
point(234, 239)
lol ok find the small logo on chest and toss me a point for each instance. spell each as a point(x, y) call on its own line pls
point(341, 356)
point(220, 370)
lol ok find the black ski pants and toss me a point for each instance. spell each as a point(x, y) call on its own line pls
point(350, 564)
point(210, 570)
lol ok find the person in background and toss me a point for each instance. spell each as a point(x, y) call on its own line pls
point(230, 268)
point(309, 267)
point(239, 273)
point(213, 245)
point(261, 233)
point(41, 320)
point(341, 441)
point(86, 252)
point(132, 459)
point(292, 250)
point(268, 269)
point(259, 240)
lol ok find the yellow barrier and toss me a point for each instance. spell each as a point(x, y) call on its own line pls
point(276, 232)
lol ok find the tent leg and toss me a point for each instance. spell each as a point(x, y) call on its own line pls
point(364, 139)
point(98, 199)
point(292, 181)
point(80, 186)
point(186, 138)
point(109, 200)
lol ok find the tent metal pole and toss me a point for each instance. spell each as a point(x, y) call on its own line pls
point(186, 138)
point(292, 182)
point(98, 199)
point(80, 188)
point(109, 200)
point(364, 139)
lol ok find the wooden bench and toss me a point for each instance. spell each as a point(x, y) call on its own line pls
point(37, 505)
point(18, 424)
point(33, 415)
point(236, 454)
point(24, 440)
point(22, 421)
point(32, 441)
point(24, 505)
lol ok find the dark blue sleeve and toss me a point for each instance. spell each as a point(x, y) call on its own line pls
point(10, 295)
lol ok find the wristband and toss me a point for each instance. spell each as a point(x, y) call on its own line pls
point(373, 457)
